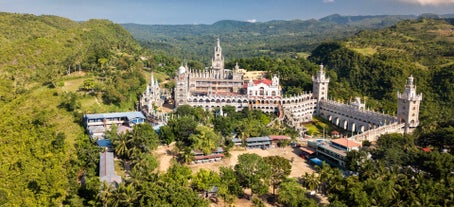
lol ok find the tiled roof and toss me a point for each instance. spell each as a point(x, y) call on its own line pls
point(264, 81)
point(130, 115)
point(279, 137)
point(346, 143)
point(307, 150)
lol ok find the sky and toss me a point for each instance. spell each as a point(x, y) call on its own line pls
point(211, 11)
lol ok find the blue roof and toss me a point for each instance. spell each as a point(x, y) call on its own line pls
point(104, 143)
point(316, 161)
point(258, 144)
point(129, 115)
point(258, 139)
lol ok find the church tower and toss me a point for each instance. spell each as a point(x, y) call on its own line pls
point(320, 85)
point(217, 63)
point(181, 86)
point(408, 104)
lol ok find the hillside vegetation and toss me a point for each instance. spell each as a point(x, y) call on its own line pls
point(245, 39)
point(44, 152)
point(376, 64)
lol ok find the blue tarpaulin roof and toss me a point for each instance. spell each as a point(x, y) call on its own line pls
point(316, 161)
point(104, 143)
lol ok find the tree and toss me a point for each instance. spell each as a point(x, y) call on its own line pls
point(182, 127)
point(125, 195)
point(166, 134)
point(280, 169)
point(205, 139)
point(310, 181)
point(105, 193)
point(143, 137)
point(70, 101)
point(204, 180)
point(293, 195)
point(253, 172)
point(88, 85)
point(121, 145)
point(229, 184)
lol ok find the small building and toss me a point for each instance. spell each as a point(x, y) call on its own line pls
point(334, 151)
point(275, 139)
point(237, 141)
point(201, 157)
point(307, 152)
point(258, 142)
point(97, 124)
point(107, 169)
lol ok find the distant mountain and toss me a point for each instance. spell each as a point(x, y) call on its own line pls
point(244, 39)
point(337, 18)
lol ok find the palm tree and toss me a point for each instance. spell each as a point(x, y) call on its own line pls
point(105, 193)
point(121, 145)
point(311, 181)
point(125, 195)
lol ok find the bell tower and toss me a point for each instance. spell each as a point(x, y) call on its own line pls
point(320, 85)
point(217, 63)
point(408, 104)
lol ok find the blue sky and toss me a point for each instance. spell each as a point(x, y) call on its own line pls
point(210, 11)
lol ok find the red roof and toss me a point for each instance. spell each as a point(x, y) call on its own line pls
point(264, 81)
point(425, 149)
point(279, 137)
point(346, 143)
point(307, 150)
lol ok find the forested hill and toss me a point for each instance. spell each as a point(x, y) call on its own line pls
point(36, 50)
point(245, 39)
point(377, 62)
point(46, 63)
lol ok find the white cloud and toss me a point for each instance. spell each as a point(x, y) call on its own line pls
point(429, 2)
point(251, 20)
point(328, 1)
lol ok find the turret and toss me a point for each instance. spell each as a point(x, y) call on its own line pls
point(217, 63)
point(320, 85)
point(408, 104)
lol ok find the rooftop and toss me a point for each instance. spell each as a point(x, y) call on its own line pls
point(106, 168)
point(279, 137)
point(346, 143)
point(130, 115)
point(258, 139)
point(264, 81)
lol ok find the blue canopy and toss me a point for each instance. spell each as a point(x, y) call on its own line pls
point(104, 143)
point(316, 161)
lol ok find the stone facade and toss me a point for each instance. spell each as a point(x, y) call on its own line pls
point(151, 99)
point(217, 87)
point(408, 105)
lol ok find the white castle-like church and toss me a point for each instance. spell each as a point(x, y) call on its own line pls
point(217, 87)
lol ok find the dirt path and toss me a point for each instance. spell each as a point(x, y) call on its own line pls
point(164, 156)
